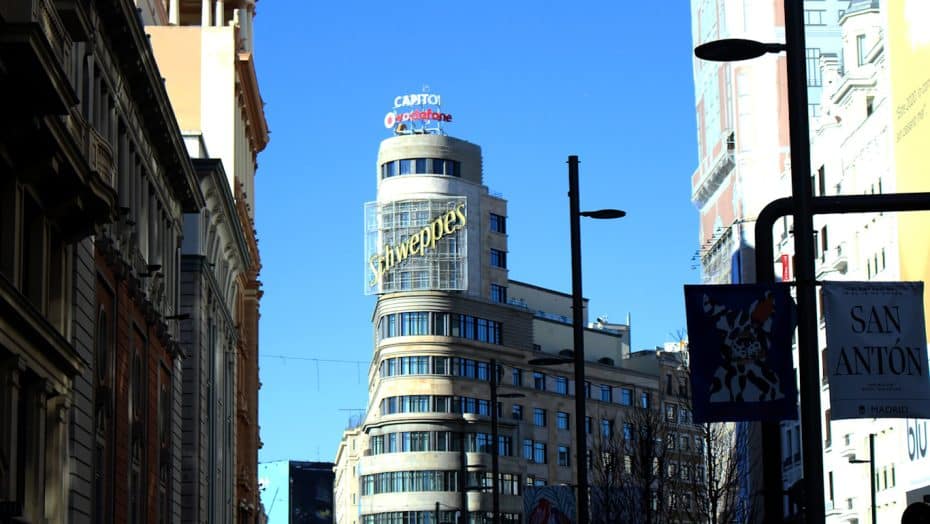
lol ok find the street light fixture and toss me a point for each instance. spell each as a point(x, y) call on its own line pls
point(581, 443)
point(802, 195)
point(872, 479)
point(495, 442)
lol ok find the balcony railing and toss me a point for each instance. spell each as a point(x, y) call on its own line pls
point(100, 156)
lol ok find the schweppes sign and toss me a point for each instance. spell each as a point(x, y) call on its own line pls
point(417, 244)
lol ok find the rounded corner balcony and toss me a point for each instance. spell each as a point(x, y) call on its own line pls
point(439, 324)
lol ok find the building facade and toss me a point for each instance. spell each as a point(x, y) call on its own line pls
point(204, 51)
point(297, 492)
point(448, 316)
point(859, 146)
point(94, 223)
point(214, 255)
point(852, 153)
point(98, 190)
point(744, 154)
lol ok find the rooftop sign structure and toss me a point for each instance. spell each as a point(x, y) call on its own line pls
point(418, 113)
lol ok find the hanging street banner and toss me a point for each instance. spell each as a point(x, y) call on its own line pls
point(876, 350)
point(740, 345)
point(549, 504)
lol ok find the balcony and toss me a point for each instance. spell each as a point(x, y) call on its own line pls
point(100, 157)
point(834, 260)
point(713, 170)
point(35, 49)
point(848, 449)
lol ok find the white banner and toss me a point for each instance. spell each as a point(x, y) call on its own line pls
point(876, 350)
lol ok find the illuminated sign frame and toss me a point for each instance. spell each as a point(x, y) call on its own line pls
point(418, 244)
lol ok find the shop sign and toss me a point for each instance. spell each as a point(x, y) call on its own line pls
point(415, 112)
point(876, 350)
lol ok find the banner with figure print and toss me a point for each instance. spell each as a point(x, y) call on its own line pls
point(876, 350)
point(740, 344)
point(549, 504)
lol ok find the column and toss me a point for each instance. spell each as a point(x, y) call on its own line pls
point(174, 13)
point(10, 391)
point(56, 458)
point(205, 13)
point(220, 17)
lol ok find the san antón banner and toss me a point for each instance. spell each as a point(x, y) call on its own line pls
point(876, 350)
point(740, 344)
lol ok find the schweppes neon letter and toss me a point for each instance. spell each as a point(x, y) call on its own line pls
point(417, 243)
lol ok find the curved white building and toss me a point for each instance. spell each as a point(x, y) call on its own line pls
point(436, 254)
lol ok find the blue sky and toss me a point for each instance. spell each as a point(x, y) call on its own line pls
point(531, 83)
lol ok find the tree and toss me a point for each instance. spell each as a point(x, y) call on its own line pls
point(630, 470)
point(716, 493)
point(661, 467)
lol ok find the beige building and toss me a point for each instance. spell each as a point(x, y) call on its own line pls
point(204, 53)
point(436, 255)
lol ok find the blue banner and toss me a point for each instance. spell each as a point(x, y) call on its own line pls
point(740, 344)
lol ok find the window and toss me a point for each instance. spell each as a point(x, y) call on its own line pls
point(517, 412)
point(528, 449)
point(814, 78)
point(814, 17)
point(861, 50)
point(644, 399)
point(587, 425)
point(821, 181)
point(539, 452)
point(561, 420)
point(517, 377)
point(587, 389)
point(498, 293)
point(498, 258)
point(826, 429)
point(627, 431)
point(671, 412)
point(420, 165)
point(498, 223)
point(561, 385)
point(607, 427)
point(824, 245)
point(605, 393)
point(406, 167)
point(539, 417)
point(539, 381)
point(563, 456)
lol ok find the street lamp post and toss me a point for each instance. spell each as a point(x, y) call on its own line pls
point(495, 444)
point(581, 444)
point(801, 190)
point(872, 480)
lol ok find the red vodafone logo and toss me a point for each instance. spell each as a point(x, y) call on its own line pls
point(393, 117)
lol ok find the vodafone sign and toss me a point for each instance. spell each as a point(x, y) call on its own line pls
point(413, 113)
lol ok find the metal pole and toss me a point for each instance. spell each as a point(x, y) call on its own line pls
point(581, 444)
point(808, 356)
point(495, 449)
point(872, 481)
point(772, 497)
point(463, 481)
